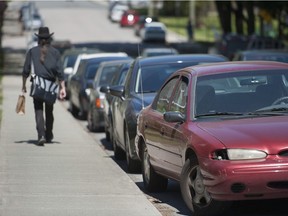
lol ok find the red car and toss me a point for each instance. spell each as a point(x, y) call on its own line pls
point(129, 18)
point(220, 130)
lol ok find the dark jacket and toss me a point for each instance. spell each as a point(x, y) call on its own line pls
point(52, 67)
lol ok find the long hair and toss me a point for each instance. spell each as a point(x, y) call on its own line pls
point(44, 43)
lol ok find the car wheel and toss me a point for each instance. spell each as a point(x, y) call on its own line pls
point(90, 120)
point(73, 109)
point(194, 193)
point(119, 154)
point(107, 134)
point(153, 182)
point(133, 166)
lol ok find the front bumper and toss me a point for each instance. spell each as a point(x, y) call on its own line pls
point(246, 180)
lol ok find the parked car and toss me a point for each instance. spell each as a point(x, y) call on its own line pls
point(219, 133)
point(229, 44)
point(260, 42)
point(104, 76)
point(141, 23)
point(267, 55)
point(69, 58)
point(118, 79)
point(144, 78)
point(81, 82)
point(149, 52)
point(129, 18)
point(153, 32)
point(117, 11)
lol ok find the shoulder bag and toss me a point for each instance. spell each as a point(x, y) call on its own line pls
point(43, 89)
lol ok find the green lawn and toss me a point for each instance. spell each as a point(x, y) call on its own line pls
point(206, 29)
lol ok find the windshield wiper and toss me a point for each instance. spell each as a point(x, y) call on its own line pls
point(270, 111)
point(219, 114)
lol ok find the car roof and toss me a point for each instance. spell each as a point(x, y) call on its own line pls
point(116, 62)
point(265, 52)
point(181, 58)
point(76, 51)
point(161, 49)
point(236, 66)
point(96, 55)
point(155, 24)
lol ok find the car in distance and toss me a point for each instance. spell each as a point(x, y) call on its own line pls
point(141, 23)
point(129, 18)
point(221, 131)
point(103, 78)
point(69, 58)
point(80, 83)
point(117, 11)
point(267, 55)
point(144, 78)
point(153, 32)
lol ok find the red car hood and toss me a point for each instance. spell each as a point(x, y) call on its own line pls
point(268, 133)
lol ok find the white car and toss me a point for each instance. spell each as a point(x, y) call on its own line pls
point(117, 11)
point(154, 31)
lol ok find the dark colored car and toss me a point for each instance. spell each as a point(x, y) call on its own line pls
point(266, 55)
point(129, 18)
point(69, 58)
point(217, 130)
point(144, 78)
point(118, 79)
point(141, 23)
point(82, 81)
point(103, 78)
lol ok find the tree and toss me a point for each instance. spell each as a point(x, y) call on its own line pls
point(267, 10)
point(3, 7)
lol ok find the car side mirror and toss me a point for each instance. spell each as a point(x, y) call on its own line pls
point(174, 117)
point(104, 89)
point(117, 91)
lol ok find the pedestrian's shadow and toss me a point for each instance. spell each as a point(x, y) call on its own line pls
point(34, 142)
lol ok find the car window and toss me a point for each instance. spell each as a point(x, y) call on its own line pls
point(239, 92)
point(162, 103)
point(180, 97)
point(107, 73)
point(91, 71)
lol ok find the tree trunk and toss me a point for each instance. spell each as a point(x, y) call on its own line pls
point(239, 18)
point(3, 6)
point(251, 17)
point(224, 10)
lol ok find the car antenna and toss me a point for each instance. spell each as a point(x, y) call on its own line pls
point(141, 83)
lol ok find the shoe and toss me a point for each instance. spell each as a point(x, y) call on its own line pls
point(49, 138)
point(41, 141)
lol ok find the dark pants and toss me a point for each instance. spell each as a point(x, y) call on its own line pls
point(44, 126)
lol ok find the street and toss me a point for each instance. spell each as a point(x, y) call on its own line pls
point(86, 22)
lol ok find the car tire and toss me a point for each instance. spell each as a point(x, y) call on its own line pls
point(73, 109)
point(119, 154)
point(133, 166)
point(194, 193)
point(91, 126)
point(153, 182)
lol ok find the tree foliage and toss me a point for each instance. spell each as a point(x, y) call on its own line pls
point(246, 13)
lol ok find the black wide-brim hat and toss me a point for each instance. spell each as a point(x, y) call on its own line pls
point(43, 32)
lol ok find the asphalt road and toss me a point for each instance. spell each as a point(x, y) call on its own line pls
point(86, 21)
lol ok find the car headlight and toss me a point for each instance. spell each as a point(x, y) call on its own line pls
point(245, 154)
point(238, 154)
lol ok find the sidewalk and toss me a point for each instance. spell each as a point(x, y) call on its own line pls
point(72, 176)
